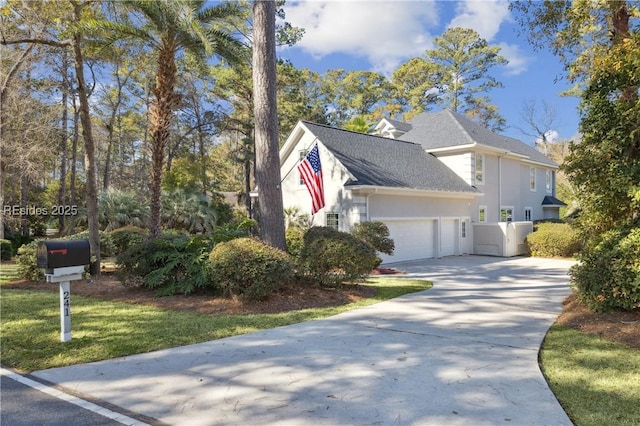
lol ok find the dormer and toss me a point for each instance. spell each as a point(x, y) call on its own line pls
point(389, 128)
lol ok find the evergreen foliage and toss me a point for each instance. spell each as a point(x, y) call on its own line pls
point(332, 257)
point(249, 268)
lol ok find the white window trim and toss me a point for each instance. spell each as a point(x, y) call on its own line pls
point(506, 208)
point(485, 214)
point(477, 157)
point(530, 210)
point(326, 219)
point(534, 171)
point(549, 181)
point(302, 154)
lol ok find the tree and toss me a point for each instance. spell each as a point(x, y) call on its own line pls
point(454, 74)
point(540, 124)
point(266, 125)
point(599, 47)
point(172, 26)
point(75, 16)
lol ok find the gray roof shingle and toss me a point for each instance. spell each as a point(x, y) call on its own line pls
point(446, 128)
point(379, 161)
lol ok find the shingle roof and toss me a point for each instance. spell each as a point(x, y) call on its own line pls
point(400, 125)
point(552, 201)
point(379, 161)
point(444, 129)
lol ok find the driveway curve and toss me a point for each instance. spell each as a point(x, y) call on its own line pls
point(462, 353)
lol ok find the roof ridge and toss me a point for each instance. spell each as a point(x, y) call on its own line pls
point(455, 116)
point(327, 126)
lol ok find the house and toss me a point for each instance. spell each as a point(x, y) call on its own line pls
point(432, 181)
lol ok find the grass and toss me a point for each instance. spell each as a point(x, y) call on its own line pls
point(8, 273)
point(596, 381)
point(102, 329)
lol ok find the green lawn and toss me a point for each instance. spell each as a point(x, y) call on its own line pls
point(596, 381)
point(8, 272)
point(101, 329)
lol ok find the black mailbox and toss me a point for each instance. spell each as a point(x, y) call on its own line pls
point(62, 253)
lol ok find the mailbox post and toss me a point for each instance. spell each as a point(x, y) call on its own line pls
point(64, 261)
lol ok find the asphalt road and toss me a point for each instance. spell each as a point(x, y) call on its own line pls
point(22, 404)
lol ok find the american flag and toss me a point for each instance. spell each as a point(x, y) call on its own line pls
point(311, 174)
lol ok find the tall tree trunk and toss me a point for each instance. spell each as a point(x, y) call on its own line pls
point(160, 127)
point(74, 161)
point(89, 148)
point(266, 124)
point(62, 192)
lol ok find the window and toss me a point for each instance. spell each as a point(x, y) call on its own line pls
point(332, 220)
point(479, 168)
point(549, 181)
point(482, 214)
point(302, 155)
point(527, 214)
point(464, 229)
point(506, 214)
point(532, 178)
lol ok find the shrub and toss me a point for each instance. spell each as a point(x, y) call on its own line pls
point(107, 246)
point(127, 236)
point(295, 240)
point(6, 249)
point(249, 268)
point(553, 239)
point(376, 234)
point(332, 257)
point(169, 264)
point(27, 262)
point(608, 274)
point(232, 230)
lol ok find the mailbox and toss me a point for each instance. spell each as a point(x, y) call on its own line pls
point(62, 253)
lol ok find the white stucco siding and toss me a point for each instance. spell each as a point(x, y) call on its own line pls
point(406, 206)
point(461, 164)
point(295, 194)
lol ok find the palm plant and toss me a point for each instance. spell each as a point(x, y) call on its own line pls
point(191, 211)
point(169, 28)
point(121, 208)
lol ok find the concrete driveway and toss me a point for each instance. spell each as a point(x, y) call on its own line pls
point(463, 352)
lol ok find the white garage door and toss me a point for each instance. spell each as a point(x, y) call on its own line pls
point(449, 237)
point(413, 240)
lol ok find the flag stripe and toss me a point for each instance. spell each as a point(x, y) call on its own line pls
point(311, 173)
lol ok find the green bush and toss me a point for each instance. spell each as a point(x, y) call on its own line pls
point(553, 240)
point(295, 240)
point(376, 234)
point(107, 246)
point(127, 236)
point(232, 230)
point(169, 264)
point(6, 250)
point(608, 274)
point(27, 262)
point(332, 257)
point(249, 268)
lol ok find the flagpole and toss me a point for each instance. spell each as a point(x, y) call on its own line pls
point(315, 140)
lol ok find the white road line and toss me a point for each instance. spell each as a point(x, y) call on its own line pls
point(120, 418)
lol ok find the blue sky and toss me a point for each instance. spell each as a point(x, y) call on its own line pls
point(379, 35)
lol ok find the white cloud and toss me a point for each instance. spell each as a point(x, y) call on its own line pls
point(384, 32)
point(551, 136)
point(518, 61)
point(483, 16)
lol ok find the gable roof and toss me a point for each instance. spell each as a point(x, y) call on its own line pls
point(448, 129)
point(384, 162)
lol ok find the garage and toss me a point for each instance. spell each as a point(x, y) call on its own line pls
point(449, 237)
point(413, 239)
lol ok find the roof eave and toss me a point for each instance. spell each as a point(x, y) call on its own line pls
point(389, 190)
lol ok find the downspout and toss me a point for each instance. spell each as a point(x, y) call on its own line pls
point(368, 196)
